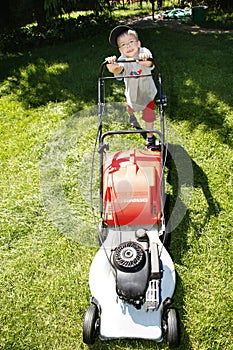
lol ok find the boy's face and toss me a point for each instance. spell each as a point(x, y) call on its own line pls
point(128, 45)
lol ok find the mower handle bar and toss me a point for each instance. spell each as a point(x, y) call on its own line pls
point(121, 132)
point(128, 60)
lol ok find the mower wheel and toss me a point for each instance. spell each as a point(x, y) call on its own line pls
point(172, 328)
point(90, 324)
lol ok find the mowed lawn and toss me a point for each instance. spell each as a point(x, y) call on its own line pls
point(48, 126)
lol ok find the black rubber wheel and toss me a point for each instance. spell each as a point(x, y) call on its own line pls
point(90, 324)
point(172, 328)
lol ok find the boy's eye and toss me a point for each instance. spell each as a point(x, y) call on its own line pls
point(130, 43)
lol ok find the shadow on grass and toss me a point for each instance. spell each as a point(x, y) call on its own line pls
point(42, 81)
point(178, 246)
point(67, 72)
point(199, 82)
point(176, 181)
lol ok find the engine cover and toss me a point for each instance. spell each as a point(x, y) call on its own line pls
point(132, 272)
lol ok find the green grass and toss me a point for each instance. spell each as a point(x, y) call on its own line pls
point(44, 274)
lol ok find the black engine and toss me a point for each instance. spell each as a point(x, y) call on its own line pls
point(131, 262)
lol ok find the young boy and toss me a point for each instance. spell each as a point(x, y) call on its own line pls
point(139, 91)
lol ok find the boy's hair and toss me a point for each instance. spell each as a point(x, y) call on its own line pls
point(128, 32)
point(118, 32)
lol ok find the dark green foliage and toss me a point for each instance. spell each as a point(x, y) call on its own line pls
point(15, 14)
point(225, 5)
point(57, 31)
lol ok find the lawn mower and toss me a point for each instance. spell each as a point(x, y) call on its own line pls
point(132, 276)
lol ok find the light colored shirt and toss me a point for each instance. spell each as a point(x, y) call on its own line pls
point(139, 91)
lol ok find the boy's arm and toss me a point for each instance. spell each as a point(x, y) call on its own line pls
point(113, 66)
point(146, 63)
point(144, 56)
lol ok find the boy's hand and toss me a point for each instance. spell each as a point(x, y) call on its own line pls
point(113, 66)
point(145, 62)
point(111, 59)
